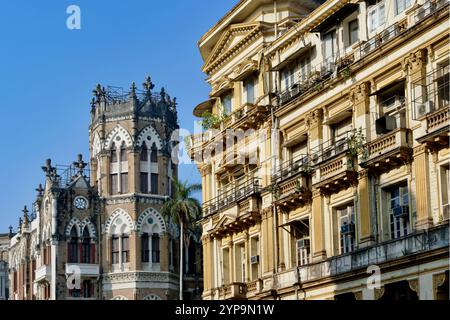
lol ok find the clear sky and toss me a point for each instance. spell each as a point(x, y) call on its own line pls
point(47, 74)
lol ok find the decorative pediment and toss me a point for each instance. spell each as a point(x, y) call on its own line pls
point(232, 41)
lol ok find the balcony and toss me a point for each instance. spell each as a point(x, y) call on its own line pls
point(248, 116)
point(234, 291)
point(428, 9)
point(380, 39)
point(409, 247)
point(84, 270)
point(232, 194)
point(43, 273)
point(389, 151)
point(335, 166)
point(313, 79)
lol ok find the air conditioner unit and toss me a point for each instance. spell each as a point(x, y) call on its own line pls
point(400, 211)
point(254, 260)
point(348, 228)
point(424, 108)
point(385, 124)
point(303, 243)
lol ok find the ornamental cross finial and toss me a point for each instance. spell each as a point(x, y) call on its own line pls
point(148, 85)
point(40, 190)
point(80, 165)
point(25, 214)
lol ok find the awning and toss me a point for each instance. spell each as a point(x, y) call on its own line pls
point(292, 57)
point(336, 17)
point(203, 107)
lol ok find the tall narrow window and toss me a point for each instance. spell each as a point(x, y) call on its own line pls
point(144, 153)
point(154, 155)
point(250, 85)
point(376, 16)
point(399, 211)
point(123, 153)
point(124, 183)
point(87, 289)
point(401, 5)
point(346, 216)
point(445, 189)
point(113, 153)
point(114, 184)
point(227, 104)
point(145, 248)
point(73, 246)
point(86, 247)
point(125, 249)
point(155, 249)
point(154, 182)
point(330, 45)
point(115, 250)
point(144, 182)
point(353, 31)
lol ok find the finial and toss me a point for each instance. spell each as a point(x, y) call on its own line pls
point(10, 232)
point(148, 85)
point(48, 166)
point(40, 190)
point(133, 88)
point(80, 165)
point(20, 223)
point(25, 215)
point(163, 93)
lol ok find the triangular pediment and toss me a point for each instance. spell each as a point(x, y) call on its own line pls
point(235, 36)
point(224, 221)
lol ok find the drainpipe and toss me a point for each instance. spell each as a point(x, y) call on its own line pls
point(274, 140)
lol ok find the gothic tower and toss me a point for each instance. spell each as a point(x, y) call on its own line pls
point(132, 168)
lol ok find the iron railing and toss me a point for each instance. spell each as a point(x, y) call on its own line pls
point(67, 174)
point(290, 168)
point(431, 92)
point(330, 148)
point(428, 9)
point(242, 189)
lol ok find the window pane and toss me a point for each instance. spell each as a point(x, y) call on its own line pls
point(154, 183)
point(250, 90)
point(227, 104)
point(155, 249)
point(353, 29)
point(381, 15)
point(123, 154)
point(125, 249)
point(114, 184)
point(124, 182)
point(144, 182)
point(145, 248)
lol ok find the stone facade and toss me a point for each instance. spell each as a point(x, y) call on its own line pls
point(4, 279)
point(339, 163)
point(98, 233)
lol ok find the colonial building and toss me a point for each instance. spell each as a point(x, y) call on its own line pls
point(98, 233)
point(325, 154)
point(4, 278)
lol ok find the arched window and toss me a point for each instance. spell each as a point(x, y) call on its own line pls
point(144, 152)
point(155, 248)
point(115, 249)
point(73, 246)
point(145, 248)
point(113, 153)
point(154, 154)
point(123, 153)
point(86, 249)
point(125, 248)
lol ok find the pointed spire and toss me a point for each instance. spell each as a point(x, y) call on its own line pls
point(25, 216)
point(163, 94)
point(133, 88)
point(80, 165)
point(20, 224)
point(48, 167)
point(10, 232)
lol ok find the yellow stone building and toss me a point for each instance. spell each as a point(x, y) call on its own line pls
point(325, 154)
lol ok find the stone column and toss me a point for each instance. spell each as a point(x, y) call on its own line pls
point(134, 251)
point(366, 237)
point(164, 256)
point(133, 172)
point(424, 219)
point(206, 264)
point(319, 252)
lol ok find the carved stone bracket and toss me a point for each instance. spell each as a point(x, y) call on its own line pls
point(438, 280)
point(379, 293)
point(414, 285)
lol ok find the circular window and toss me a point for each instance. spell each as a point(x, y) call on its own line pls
point(150, 220)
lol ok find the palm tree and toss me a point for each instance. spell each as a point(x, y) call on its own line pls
point(183, 209)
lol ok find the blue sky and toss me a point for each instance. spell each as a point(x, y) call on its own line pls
point(47, 74)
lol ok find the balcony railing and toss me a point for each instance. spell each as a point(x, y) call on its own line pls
point(408, 246)
point(380, 39)
point(289, 169)
point(330, 149)
point(388, 150)
point(393, 102)
point(428, 9)
point(230, 195)
point(314, 77)
point(432, 92)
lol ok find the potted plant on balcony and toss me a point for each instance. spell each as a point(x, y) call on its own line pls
point(356, 143)
point(210, 120)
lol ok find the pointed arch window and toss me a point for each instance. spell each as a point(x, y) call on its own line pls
point(72, 247)
point(113, 153)
point(155, 248)
point(144, 152)
point(154, 154)
point(123, 153)
point(86, 248)
point(145, 245)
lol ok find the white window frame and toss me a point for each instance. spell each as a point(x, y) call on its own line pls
point(380, 19)
point(347, 242)
point(405, 3)
point(398, 227)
